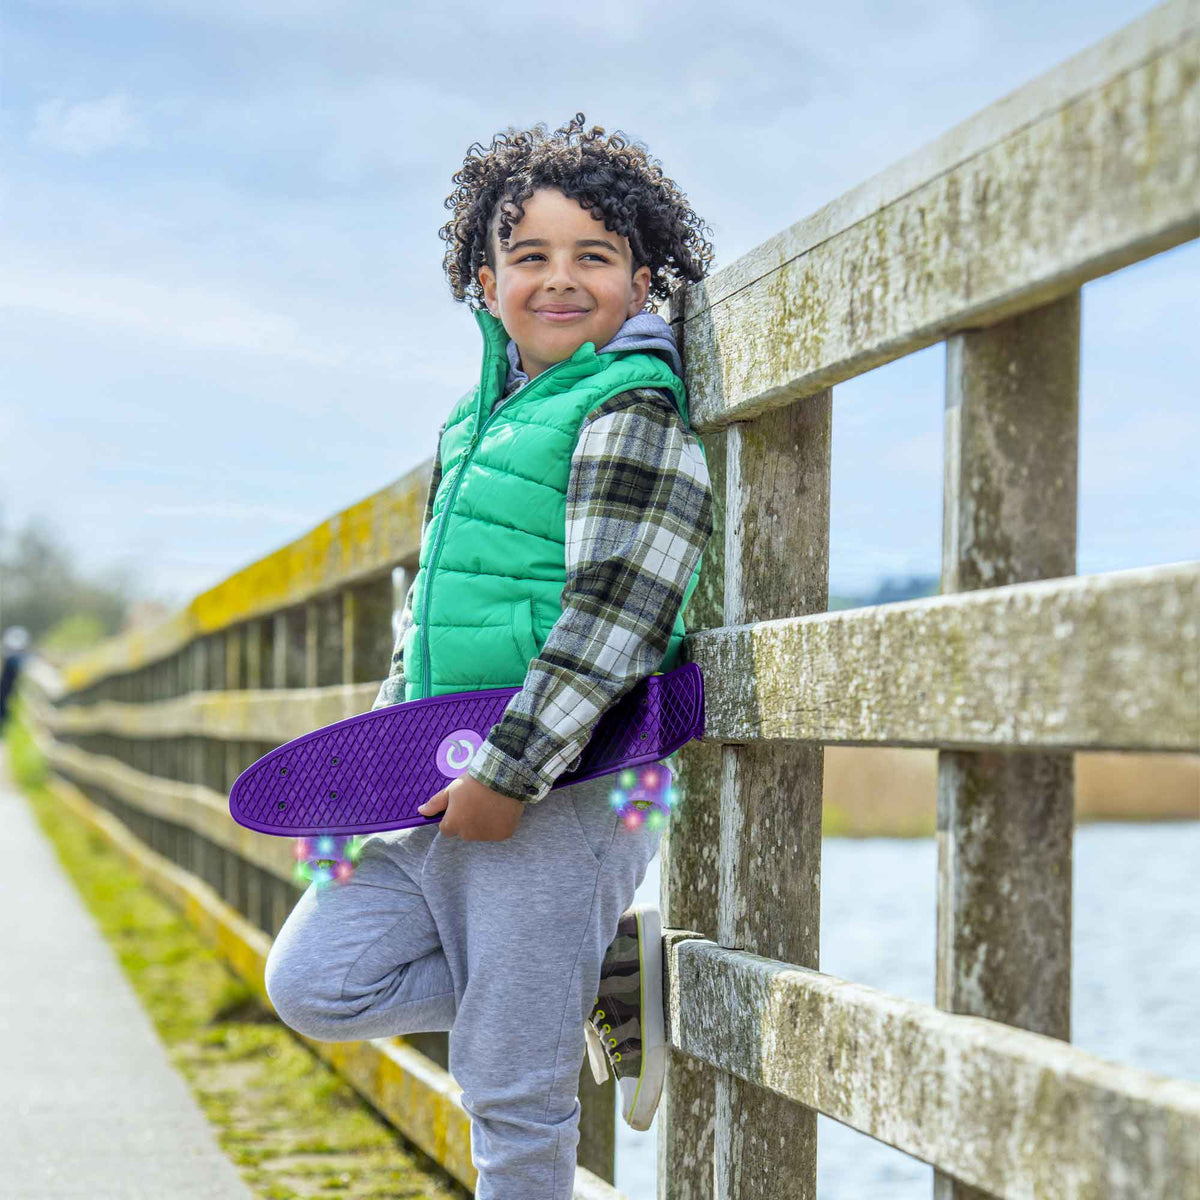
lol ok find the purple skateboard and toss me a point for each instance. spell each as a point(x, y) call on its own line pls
point(371, 771)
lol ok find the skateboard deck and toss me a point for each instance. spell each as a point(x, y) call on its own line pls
point(370, 772)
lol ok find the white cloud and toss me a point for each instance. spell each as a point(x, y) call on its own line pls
point(88, 127)
point(230, 511)
point(179, 312)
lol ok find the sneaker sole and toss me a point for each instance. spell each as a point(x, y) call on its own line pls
point(654, 1041)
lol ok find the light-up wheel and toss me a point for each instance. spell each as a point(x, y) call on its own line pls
point(643, 796)
point(327, 858)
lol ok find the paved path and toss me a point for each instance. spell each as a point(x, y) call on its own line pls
point(90, 1105)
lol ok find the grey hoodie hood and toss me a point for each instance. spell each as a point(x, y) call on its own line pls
point(643, 331)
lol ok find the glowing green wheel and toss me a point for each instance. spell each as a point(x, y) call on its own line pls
point(327, 858)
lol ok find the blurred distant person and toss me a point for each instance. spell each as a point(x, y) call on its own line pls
point(13, 645)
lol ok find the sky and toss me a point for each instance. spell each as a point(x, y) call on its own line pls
point(224, 316)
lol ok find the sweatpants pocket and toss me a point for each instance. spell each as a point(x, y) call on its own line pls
point(594, 814)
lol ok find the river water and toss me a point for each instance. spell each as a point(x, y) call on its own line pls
point(1135, 995)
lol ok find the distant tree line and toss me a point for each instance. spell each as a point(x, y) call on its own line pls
point(890, 590)
point(41, 588)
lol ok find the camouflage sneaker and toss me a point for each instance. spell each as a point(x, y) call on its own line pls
point(627, 1023)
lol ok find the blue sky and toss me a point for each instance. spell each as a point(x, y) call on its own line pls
point(224, 311)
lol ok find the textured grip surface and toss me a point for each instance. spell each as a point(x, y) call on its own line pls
point(371, 771)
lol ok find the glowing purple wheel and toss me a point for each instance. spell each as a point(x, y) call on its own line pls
point(643, 795)
point(327, 858)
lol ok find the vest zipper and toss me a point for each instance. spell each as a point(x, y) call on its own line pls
point(437, 545)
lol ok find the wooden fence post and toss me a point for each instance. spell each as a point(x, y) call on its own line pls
point(312, 645)
point(688, 884)
point(367, 609)
point(769, 860)
point(1005, 820)
point(255, 631)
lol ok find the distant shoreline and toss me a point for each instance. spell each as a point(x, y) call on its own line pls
point(886, 792)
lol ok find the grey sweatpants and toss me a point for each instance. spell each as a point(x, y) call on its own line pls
point(498, 942)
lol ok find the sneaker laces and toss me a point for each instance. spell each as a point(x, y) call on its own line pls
point(596, 1056)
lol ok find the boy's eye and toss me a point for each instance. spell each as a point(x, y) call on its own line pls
point(590, 254)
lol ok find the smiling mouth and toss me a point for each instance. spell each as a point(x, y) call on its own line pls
point(560, 317)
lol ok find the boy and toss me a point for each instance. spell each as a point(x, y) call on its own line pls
point(567, 513)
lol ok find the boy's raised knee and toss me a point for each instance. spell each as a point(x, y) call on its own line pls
point(294, 997)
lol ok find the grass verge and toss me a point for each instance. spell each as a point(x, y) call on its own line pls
point(293, 1127)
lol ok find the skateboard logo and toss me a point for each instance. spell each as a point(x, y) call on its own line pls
point(455, 751)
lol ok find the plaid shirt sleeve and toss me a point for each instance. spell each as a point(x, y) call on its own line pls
point(391, 691)
point(639, 514)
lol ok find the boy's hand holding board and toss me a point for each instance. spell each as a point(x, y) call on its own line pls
point(474, 812)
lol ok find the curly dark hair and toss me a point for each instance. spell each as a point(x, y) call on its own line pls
point(615, 179)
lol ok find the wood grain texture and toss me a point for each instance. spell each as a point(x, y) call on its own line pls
point(769, 856)
point(1022, 1113)
point(1005, 821)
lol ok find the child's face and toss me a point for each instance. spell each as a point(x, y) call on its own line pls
point(557, 272)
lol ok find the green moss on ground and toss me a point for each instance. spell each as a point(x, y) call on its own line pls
point(294, 1128)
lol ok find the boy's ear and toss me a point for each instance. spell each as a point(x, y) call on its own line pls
point(487, 280)
point(641, 289)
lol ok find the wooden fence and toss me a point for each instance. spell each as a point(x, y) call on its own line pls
point(982, 239)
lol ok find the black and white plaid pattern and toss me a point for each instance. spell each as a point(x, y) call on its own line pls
point(638, 516)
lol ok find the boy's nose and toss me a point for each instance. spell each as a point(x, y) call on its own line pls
point(559, 278)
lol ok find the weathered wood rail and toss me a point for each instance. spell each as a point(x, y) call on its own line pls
point(982, 239)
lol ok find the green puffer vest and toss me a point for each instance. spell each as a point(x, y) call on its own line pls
point(492, 564)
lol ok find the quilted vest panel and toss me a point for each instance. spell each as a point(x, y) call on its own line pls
point(492, 564)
